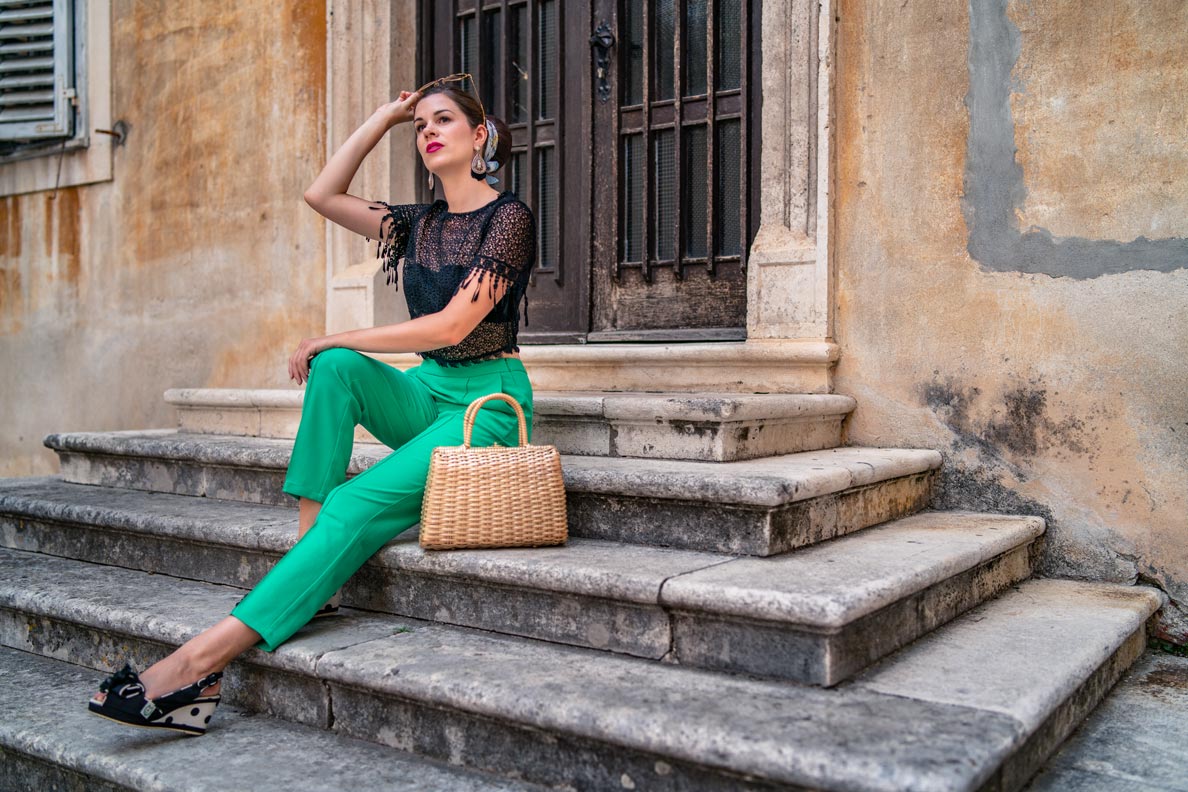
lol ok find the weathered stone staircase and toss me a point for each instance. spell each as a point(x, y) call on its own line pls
point(743, 605)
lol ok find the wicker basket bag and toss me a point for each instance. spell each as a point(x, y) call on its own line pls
point(493, 496)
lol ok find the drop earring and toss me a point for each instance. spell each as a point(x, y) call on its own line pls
point(478, 164)
point(430, 181)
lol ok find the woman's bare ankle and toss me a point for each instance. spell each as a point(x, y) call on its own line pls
point(307, 513)
point(174, 672)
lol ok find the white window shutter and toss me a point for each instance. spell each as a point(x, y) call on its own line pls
point(37, 85)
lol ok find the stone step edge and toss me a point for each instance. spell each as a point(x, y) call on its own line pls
point(330, 662)
point(705, 406)
point(1006, 741)
point(779, 364)
point(703, 426)
point(679, 608)
point(674, 590)
point(46, 731)
point(747, 483)
point(1046, 621)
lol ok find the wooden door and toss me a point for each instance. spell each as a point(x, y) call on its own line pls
point(643, 193)
point(528, 58)
point(675, 208)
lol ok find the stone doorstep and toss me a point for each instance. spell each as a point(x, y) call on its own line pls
point(977, 704)
point(753, 507)
point(48, 740)
point(775, 365)
point(714, 427)
point(815, 616)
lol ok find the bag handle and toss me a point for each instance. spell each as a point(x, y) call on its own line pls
point(472, 414)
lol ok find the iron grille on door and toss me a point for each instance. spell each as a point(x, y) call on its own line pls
point(642, 195)
point(506, 46)
point(684, 201)
point(676, 202)
point(527, 57)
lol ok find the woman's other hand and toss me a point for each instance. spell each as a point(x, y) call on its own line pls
point(400, 111)
point(299, 362)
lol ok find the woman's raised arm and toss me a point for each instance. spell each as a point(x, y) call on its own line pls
point(328, 194)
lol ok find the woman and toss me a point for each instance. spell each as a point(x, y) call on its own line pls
point(463, 328)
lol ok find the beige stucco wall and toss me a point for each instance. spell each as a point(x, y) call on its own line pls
point(198, 264)
point(1056, 384)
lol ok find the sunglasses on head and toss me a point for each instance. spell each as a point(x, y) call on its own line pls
point(459, 77)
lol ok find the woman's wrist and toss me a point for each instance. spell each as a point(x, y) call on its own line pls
point(398, 111)
point(380, 119)
point(329, 342)
point(386, 118)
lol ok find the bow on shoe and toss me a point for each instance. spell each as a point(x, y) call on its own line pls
point(124, 683)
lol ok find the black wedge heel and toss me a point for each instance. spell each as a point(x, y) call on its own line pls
point(184, 710)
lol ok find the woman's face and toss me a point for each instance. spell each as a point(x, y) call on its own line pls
point(444, 136)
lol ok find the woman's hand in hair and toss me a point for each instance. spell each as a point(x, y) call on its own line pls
point(400, 111)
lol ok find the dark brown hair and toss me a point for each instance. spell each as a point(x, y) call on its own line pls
point(474, 116)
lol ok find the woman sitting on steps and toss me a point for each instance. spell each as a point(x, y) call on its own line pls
point(466, 337)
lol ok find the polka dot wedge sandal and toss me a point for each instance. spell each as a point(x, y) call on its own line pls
point(184, 710)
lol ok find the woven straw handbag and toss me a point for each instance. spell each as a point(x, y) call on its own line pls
point(494, 496)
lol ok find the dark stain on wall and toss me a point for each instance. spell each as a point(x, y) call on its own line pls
point(978, 489)
point(69, 233)
point(12, 304)
point(11, 299)
point(994, 188)
point(952, 404)
point(47, 224)
point(61, 232)
point(1006, 429)
point(1026, 430)
point(10, 222)
point(307, 23)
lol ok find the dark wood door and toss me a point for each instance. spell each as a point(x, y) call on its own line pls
point(674, 207)
point(529, 59)
point(639, 172)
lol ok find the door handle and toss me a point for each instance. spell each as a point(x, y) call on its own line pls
point(601, 42)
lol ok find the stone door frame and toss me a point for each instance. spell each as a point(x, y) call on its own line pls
point(789, 348)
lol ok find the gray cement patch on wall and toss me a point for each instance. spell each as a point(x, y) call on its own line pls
point(994, 185)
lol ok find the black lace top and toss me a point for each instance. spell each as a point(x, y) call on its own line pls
point(444, 252)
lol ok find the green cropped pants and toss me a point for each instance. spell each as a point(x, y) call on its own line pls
point(411, 411)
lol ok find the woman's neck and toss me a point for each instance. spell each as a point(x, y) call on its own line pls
point(461, 197)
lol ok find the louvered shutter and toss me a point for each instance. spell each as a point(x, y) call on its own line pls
point(36, 69)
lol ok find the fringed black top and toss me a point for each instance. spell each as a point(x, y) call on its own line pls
point(443, 252)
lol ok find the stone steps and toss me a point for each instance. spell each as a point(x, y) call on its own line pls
point(48, 740)
point(754, 507)
point(816, 616)
point(976, 704)
point(1135, 740)
point(717, 427)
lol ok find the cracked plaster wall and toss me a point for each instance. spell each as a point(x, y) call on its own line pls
point(1012, 248)
point(198, 264)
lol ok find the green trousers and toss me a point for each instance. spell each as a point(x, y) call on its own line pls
point(411, 411)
